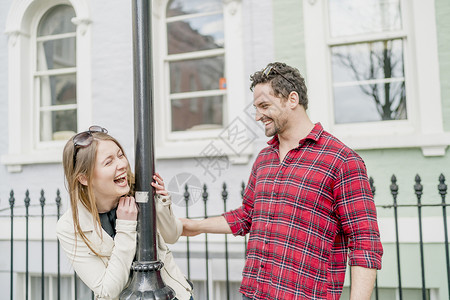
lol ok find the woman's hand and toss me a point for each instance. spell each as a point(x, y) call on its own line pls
point(127, 209)
point(159, 185)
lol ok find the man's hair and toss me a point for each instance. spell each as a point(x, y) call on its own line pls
point(289, 81)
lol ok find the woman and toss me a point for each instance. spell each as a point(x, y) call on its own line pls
point(98, 232)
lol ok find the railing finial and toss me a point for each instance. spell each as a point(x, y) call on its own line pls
point(442, 187)
point(11, 199)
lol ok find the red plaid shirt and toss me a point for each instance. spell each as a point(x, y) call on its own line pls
point(305, 216)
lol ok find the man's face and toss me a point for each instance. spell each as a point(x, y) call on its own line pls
point(270, 110)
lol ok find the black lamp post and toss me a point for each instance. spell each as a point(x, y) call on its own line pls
point(145, 281)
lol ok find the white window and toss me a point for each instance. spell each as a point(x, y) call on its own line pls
point(55, 74)
point(196, 64)
point(367, 74)
point(69, 288)
point(49, 85)
point(200, 87)
point(365, 62)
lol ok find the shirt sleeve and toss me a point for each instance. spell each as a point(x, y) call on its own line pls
point(106, 276)
point(357, 212)
point(240, 220)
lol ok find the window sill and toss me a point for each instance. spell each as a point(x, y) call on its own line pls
point(210, 148)
point(431, 144)
point(15, 162)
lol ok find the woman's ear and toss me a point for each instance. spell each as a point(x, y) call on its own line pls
point(82, 179)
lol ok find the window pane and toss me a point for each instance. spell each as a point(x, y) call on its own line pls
point(367, 61)
point(182, 7)
point(195, 34)
point(352, 17)
point(197, 113)
point(83, 292)
point(370, 102)
point(57, 20)
point(56, 54)
point(196, 75)
point(56, 124)
point(58, 90)
point(65, 287)
point(368, 82)
point(36, 288)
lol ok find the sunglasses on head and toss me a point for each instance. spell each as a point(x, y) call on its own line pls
point(84, 139)
point(271, 69)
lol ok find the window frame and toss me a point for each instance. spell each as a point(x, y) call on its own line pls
point(37, 77)
point(21, 27)
point(424, 126)
point(191, 143)
point(186, 56)
point(49, 285)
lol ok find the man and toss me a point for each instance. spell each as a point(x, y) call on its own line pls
point(308, 206)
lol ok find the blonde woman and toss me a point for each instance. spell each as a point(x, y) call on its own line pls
point(98, 231)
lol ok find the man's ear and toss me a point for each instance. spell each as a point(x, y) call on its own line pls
point(82, 179)
point(293, 100)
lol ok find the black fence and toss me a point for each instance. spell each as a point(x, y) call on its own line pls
point(394, 191)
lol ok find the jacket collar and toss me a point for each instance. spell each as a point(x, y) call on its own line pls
point(85, 218)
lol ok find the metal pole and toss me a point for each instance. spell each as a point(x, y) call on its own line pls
point(442, 187)
point(58, 254)
point(205, 199)
point(373, 189)
point(188, 255)
point(27, 205)
point(11, 204)
point(146, 281)
point(394, 192)
point(418, 190)
point(227, 277)
point(42, 201)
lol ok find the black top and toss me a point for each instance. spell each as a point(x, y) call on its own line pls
point(108, 221)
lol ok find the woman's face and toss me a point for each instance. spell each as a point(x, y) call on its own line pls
point(109, 180)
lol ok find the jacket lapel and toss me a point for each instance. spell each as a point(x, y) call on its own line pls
point(103, 244)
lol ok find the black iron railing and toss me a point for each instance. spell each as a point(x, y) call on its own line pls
point(395, 207)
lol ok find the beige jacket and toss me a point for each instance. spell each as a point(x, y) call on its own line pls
point(108, 275)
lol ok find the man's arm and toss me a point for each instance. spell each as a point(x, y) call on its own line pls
point(363, 280)
point(209, 225)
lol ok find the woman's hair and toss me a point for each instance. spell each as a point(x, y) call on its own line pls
point(83, 165)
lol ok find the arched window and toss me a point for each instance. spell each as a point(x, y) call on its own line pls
point(55, 74)
point(49, 91)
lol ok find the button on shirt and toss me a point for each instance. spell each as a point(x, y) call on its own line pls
point(306, 217)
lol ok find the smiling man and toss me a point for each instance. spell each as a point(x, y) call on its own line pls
point(308, 207)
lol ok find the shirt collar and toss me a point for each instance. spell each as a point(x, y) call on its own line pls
point(314, 135)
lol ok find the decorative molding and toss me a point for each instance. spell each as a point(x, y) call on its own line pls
point(13, 35)
point(231, 6)
point(82, 24)
point(437, 150)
